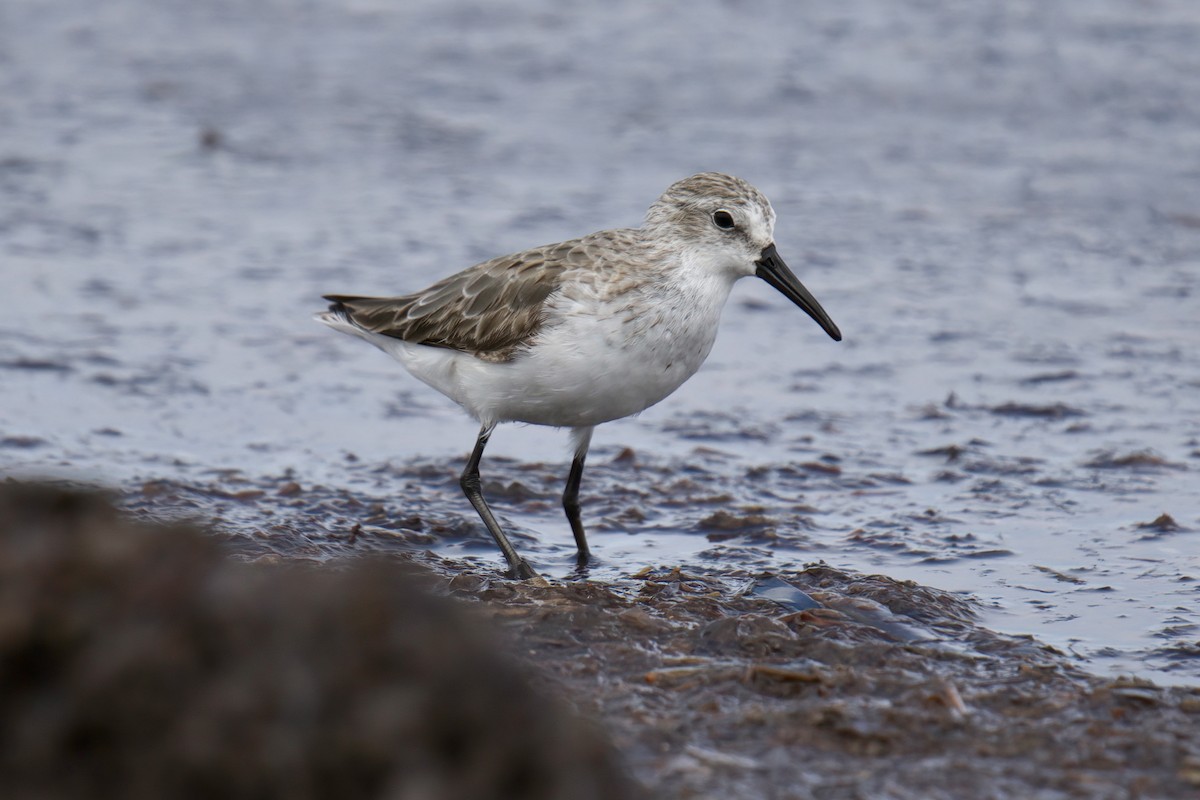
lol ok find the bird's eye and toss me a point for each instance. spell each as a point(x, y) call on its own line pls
point(723, 219)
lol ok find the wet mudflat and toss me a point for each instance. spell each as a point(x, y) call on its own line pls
point(869, 688)
point(738, 674)
point(730, 681)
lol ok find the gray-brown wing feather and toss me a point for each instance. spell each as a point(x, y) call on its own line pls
point(490, 310)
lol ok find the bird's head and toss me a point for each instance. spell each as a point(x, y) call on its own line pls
point(729, 225)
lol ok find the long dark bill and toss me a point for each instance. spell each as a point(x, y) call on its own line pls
point(772, 270)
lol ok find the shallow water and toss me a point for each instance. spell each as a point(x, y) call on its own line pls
point(998, 207)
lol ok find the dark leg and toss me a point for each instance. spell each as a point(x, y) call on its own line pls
point(583, 438)
point(472, 487)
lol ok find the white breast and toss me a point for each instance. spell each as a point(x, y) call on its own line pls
point(602, 358)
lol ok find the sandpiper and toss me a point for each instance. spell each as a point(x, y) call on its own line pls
point(585, 331)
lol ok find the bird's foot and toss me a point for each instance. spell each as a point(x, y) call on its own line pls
point(583, 561)
point(523, 572)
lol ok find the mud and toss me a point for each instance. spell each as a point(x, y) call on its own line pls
point(642, 512)
point(801, 683)
point(884, 690)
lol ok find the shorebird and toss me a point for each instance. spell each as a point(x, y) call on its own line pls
point(582, 332)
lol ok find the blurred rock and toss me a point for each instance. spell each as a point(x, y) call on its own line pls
point(139, 661)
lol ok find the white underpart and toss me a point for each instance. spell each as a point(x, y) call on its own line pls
point(594, 361)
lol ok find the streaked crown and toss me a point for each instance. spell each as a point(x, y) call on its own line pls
point(706, 193)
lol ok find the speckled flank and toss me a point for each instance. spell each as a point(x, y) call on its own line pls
point(494, 309)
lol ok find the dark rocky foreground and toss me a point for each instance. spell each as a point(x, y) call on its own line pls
point(143, 658)
point(141, 662)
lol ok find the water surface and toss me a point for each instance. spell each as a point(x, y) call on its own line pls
point(997, 206)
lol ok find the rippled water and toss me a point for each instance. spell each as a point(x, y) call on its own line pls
point(998, 207)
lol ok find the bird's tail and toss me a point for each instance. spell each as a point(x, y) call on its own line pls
point(338, 318)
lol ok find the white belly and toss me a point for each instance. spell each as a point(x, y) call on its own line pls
point(586, 373)
point(593, 362)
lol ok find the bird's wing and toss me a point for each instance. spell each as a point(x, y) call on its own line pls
point(490, 310)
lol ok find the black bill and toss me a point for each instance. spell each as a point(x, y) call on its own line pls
point(772, 270)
